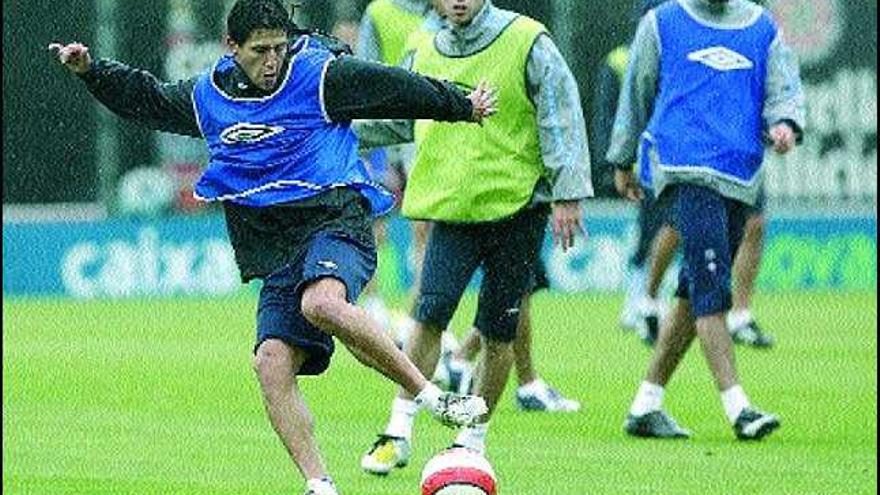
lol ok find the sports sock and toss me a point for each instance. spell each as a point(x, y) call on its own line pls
point(429, 397)
point(649, 306)
point(534, 387)
point(321, 486)
point(649, 398)
point(474, 437)
point(636, 288)
point(734, 400)
point(737, 318)
point(403, 415)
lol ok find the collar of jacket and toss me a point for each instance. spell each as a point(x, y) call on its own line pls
point(480, 33)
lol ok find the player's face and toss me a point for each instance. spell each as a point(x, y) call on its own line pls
point(461, 12)
point(261, 56)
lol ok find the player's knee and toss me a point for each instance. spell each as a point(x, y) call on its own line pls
point(435, 310)
point(319, 306)
point(269, 359)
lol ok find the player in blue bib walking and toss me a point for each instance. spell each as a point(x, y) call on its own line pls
point(708, 82)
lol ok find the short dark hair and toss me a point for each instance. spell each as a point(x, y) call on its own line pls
point(247, 16)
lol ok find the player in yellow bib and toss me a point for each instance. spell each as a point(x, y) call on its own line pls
point(382, 35)
point(488, 196)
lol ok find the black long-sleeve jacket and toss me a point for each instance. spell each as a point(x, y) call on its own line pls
point(353, 89)
point(266, 239)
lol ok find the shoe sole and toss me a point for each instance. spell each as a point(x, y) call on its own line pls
point(644, 434)
point(763, 430)
point(384, 473)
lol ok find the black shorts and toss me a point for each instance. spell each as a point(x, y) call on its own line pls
point(507, 250)
point(279, 312)
point(267, 239)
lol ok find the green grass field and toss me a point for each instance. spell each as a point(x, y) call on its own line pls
point(158, 397)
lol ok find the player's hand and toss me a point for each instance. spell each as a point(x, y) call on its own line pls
point(627, 186)
point(783, 138)
point(484, 100)
point(74, 56)
point(567, 222)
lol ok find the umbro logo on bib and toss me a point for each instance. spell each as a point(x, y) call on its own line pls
point(721, 58)
point(248, 133)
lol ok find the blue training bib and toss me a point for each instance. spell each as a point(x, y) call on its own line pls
point(282, 147)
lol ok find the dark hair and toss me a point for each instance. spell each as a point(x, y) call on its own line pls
point(247, 16)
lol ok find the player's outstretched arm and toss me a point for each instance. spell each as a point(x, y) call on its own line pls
point(130, 93)
point(358, 89)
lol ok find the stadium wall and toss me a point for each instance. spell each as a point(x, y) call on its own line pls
point(116, 258)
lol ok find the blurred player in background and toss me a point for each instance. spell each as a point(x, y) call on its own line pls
point(488, 195)
point(533, 394)
point(700, 146)
point(382, 37)
point(657, 239)
point(276, 115)
point(609, 81)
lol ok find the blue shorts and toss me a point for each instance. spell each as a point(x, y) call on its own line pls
point(507, 250)
point(279, 313)
point(711, 228)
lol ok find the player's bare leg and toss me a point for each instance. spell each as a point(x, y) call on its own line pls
point(746, 266)
point(533, 393)
point(662, 253)
point(718, 349)
point(324, 305)
point(676, 335)
point(493, 369)
point(747, 262)
point(423, 348)
point(393, 447)
point(276, 365)
point(522, 346)
point(646, 417)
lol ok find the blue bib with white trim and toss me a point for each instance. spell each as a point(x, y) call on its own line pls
point(707, 116)
point(282, 147)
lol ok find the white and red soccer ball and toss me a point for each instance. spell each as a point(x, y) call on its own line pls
point(458, 471)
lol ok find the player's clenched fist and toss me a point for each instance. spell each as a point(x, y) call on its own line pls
point(74, 56)
point(783, 138)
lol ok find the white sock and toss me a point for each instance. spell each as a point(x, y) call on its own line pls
point(649, 398)
point(534, 387)
point(403, 416)
point(738, 318)
point(635, 290)
point(474, 437)
point(322, 486)
point(734, 400)
point(429, 397)
point(649, 306)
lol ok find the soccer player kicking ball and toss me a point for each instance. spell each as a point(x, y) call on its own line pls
point(717, 80)
point(283, 161)
point(488, 193)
